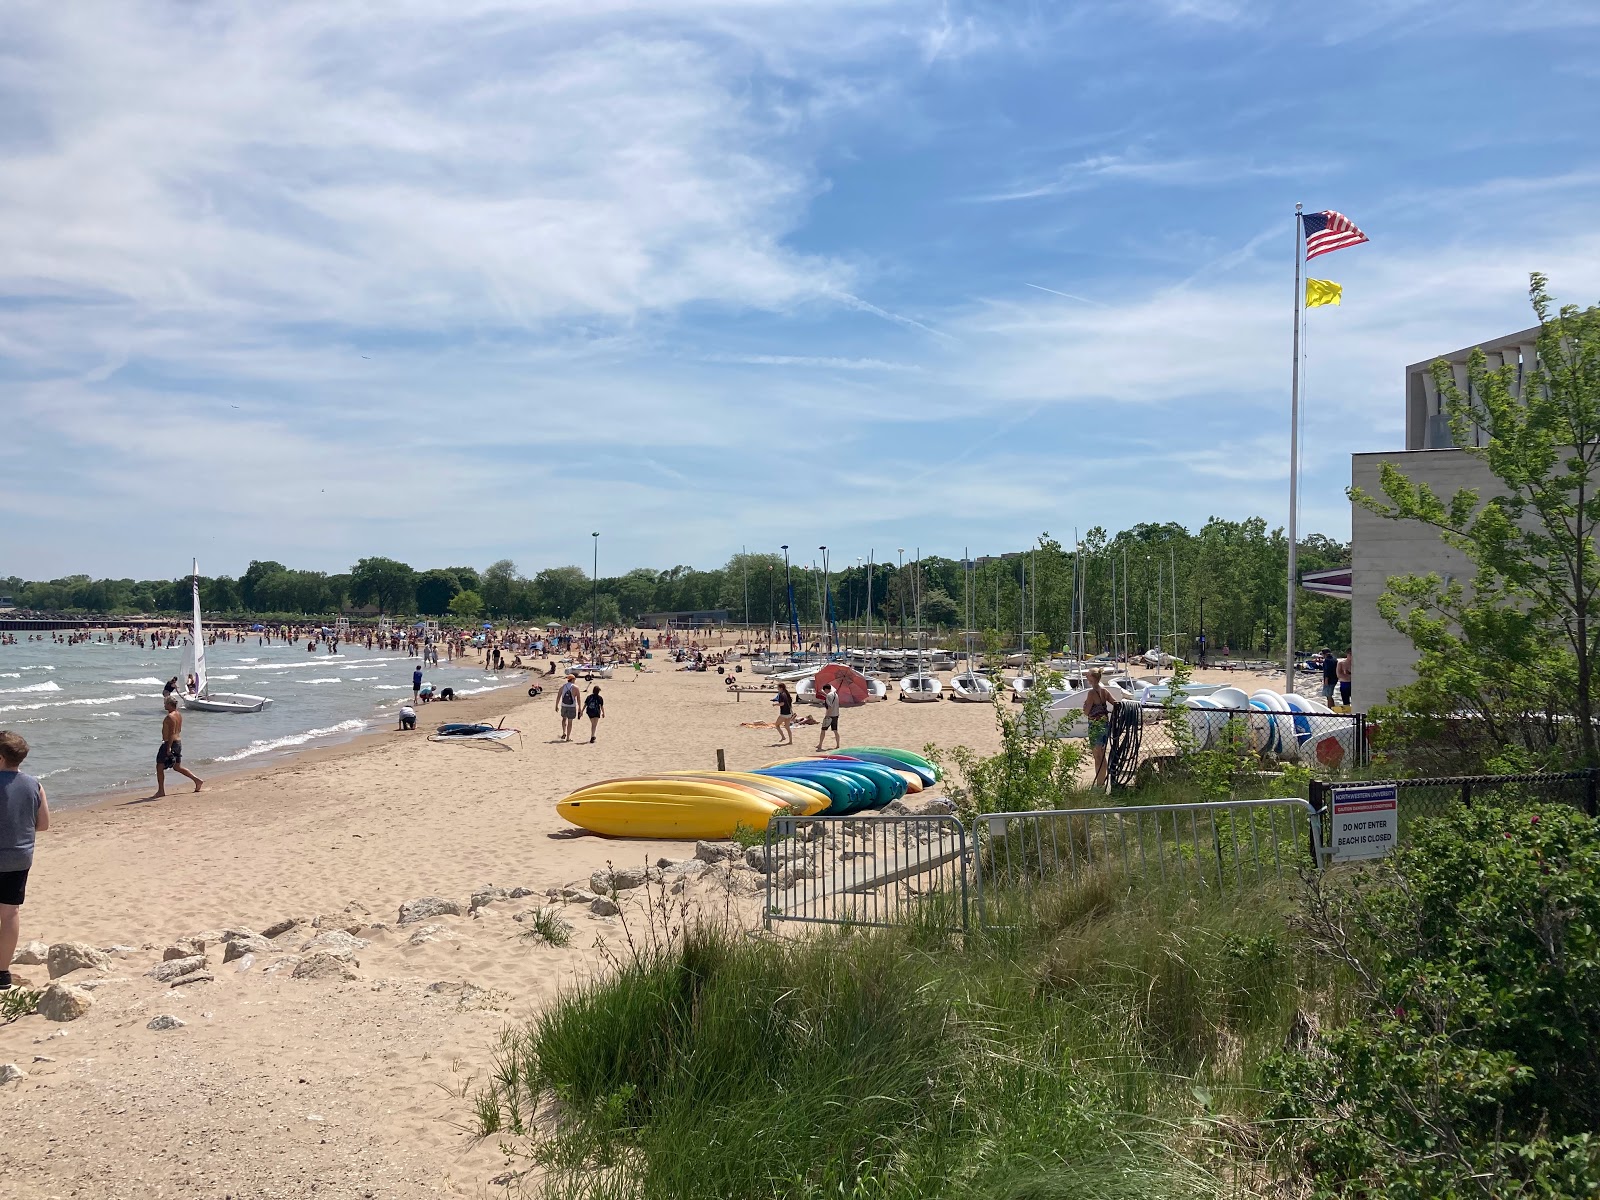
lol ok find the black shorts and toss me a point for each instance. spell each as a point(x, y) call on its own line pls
point(13, 886)
point(1344, 693)
point(830, 723)
point(170, 754)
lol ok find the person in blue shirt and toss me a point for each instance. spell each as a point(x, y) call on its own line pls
point(416, 684)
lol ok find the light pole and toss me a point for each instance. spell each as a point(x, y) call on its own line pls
point(744, 566)
point(595, 620)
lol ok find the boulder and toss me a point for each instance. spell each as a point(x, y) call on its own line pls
point(604, 906)
point(488, 895)
point(939, 806)
point(240, 947)
point(176, 968)
point(323, 965)
point(63, 1002)
point(163, 1022)
point(518, 893)
point(193, 977)
point(31, 954)
point(618, 879)
point(577, 895)
point(898, 807)
point(65, 957)
point(788, 876)
point(11, 1073)
point(334, 941)
point(715, 852)
point(427, 907)
point(759, 860)
point(279, 928)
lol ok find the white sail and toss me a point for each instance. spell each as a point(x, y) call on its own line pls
point(198, 634)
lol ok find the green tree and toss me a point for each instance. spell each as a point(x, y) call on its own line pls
point(389, 584)
point(467, 605)
point(563, 592)
point(435, 590)
point(1516, 645)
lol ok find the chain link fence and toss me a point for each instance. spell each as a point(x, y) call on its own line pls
point(1145, 735)
point(1441, 795)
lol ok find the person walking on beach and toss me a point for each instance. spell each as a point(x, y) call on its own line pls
point(170, 754)
point(23, 812)
point(1343, 673)
point(594, 707)
point(416, 685)
point(785, 721)
point(1097, 710)
point(567, 706)
point(830, 716)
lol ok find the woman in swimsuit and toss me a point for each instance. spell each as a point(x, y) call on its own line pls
point(785, 722)
point(1097, 708)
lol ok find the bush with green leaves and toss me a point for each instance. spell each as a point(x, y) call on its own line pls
point(1474, 1067)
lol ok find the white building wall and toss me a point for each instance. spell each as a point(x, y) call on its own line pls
point(1380, 548)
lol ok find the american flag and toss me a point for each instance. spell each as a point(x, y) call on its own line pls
point(1329, 231)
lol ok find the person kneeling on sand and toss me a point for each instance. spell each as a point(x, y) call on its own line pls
point(408, 717)
point(23, 812)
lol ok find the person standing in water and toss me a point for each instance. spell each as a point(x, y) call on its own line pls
point(594, 707)
point(170, 754)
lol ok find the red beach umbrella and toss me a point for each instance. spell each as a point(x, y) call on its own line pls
point(851, 685)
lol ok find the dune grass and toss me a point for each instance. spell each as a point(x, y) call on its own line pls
point(1109, 1049)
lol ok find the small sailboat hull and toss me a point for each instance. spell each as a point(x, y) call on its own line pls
point(226, 702)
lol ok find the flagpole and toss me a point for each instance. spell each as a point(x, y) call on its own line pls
point(1294, 449)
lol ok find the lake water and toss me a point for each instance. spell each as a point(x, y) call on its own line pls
point(92, 712)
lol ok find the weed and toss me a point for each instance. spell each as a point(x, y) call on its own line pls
point(18, 1002)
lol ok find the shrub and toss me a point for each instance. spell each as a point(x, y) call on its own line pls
point(1474, 1067)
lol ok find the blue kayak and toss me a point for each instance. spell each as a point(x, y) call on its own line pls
point(850, 792)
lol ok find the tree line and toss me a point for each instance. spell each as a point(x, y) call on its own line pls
point(1147, 585)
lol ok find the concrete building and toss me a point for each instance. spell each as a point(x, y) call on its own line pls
point(1381, 548)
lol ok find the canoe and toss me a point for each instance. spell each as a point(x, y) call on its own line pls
point(640, 814)
point(851, 793)
point(905, 756)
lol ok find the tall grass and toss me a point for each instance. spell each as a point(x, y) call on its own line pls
point(1093, 1054)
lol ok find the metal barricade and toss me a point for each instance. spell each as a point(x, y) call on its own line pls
point(868, 869)
point(1210, 846)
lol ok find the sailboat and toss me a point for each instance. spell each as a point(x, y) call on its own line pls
point(969, 685)
point(203, 699)
point(919, 687)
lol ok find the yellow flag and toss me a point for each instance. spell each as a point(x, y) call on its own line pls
point(1322, 291)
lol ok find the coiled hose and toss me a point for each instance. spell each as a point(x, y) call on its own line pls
point(1122, 744)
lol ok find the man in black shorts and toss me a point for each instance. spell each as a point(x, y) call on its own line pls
point(23, 812)
point(830, 719)
point(169, 757)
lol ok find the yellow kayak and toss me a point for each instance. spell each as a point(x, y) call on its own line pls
point(681, 813)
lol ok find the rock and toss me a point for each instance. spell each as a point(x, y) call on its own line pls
point(788, 876)
point(604, 906)
point(164, 1021)
point(11, 1073)
point(183, 948)
point(519, 893)
point(691, 867)
point(898, 807)
point(63, 1002)
point(431, 933)
point(194, 977)
point(715, 852)
point(65, 957)
point(240, 947)
point(279, 928)
point(759, 860)
point(488, 895)
point(618, 879)
point(334, 941)
point(175, 968)
point(323, 965)
point(939, 806)
point(577, 895)
point(426, 907)
point(32, 954)
point(338, 923)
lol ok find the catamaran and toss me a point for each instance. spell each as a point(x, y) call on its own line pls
point(203, 699)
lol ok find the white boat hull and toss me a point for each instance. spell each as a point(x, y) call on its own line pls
point(920, 688)
point(226, 702)
point(973, 689)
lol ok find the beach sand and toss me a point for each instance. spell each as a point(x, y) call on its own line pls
point(281, 1086)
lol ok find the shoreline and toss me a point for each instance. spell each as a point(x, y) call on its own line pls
point(467, 708)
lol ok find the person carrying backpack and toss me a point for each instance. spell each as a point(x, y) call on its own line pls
point(594, 707)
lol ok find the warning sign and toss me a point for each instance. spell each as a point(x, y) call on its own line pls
point(1366, 821)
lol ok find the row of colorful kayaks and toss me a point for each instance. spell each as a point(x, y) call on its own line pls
point(712, 804)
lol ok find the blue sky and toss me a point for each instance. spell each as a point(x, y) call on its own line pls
point(456, 281)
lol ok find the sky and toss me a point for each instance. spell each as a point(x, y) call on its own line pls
point(461, 280)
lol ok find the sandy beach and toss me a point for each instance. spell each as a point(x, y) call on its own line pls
point(278, 1085)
